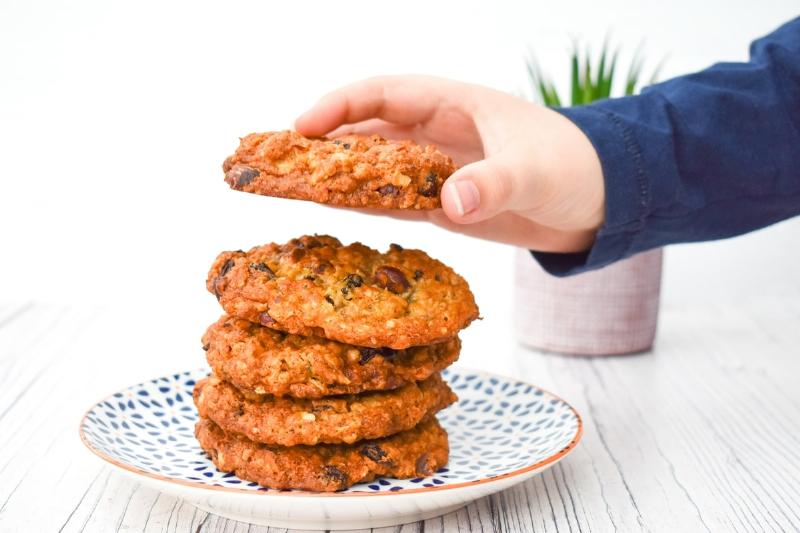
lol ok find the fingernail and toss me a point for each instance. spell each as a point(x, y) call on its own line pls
point(466, 196)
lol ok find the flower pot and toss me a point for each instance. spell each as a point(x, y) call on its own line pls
point(609, 311)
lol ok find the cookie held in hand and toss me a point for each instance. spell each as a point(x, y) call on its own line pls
point(350, 171)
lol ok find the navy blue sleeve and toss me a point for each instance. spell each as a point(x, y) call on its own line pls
point(705, 156)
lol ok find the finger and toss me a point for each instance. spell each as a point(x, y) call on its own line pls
point(479, 191)
point(380, 127)
point(404, 100)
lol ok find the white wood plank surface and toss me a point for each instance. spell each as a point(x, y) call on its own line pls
point(703, 434)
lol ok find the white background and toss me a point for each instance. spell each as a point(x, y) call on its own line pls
point(115, 118)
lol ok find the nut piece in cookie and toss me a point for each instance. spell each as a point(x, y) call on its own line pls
point(353, 171)
point(315, 285)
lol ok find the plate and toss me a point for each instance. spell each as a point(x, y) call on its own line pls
point(501, 431)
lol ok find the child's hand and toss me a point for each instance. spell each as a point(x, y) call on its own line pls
point(529, 176)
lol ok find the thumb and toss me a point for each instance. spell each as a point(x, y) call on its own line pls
point(478, 191)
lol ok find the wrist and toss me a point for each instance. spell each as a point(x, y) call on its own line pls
point(572, 169)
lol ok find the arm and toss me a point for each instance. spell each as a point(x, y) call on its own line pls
point(704, 156)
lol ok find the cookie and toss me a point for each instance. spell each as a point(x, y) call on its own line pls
point(352, 171)
point(352, 294)
point(338, 419)
point(260, 360)
point(327, 467)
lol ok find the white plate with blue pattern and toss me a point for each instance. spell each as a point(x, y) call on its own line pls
point(501, 432)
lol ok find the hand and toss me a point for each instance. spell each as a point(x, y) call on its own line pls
point(528, 177)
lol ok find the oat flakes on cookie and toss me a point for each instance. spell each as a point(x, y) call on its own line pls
point(353, 170)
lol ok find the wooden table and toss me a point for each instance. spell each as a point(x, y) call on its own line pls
point(703, 434)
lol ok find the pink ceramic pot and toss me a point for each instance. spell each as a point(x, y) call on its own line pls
point(609, 311)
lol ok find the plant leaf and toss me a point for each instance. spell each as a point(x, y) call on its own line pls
point(603, 89)
point(657, 71)
point(542, 86)
point(553, 99)
point(535, 76)
point(587, 79)
point(634, 71)
point(575, 76)
point(600, 83)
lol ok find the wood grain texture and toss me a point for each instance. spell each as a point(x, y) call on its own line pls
point(700, 435)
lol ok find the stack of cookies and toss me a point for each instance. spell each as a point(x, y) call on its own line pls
point(326, 367)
